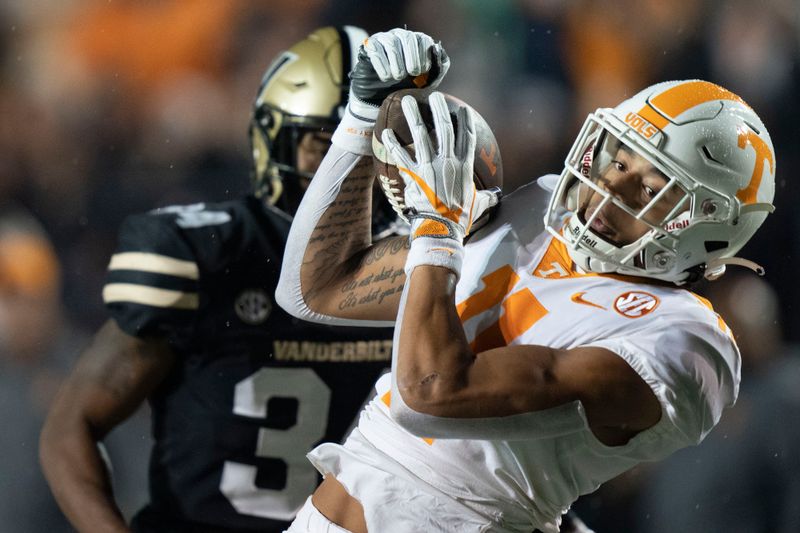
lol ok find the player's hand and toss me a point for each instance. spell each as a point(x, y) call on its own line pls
point(387, 62)
point(440, 195)
point(390, 61)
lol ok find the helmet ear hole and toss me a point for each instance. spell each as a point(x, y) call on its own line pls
point(708, 156)
point(265, 119)
point(713, 246)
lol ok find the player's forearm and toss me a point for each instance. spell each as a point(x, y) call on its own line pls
point(443, 390)
point(331, 222)
point(433, 356)
point(79, 479)
point(342, 232)
point(331, 272)
point(439, 374)
point(328, 253)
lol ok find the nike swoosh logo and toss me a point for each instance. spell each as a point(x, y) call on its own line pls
point(430, 194)
point(578, 299)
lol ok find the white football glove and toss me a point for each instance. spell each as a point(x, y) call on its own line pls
point(387, 62)
point(440, 195)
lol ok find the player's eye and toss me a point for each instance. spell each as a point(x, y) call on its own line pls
point(618, 165)
point(649, 192)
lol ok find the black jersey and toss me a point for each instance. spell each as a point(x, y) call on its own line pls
point(253, 388)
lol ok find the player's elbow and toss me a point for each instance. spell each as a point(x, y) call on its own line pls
point(416, 422)
point(433, 379)
point(45, 440)
point(432, 394)
point(290, 298)
point(51, 445)
point(66, 424)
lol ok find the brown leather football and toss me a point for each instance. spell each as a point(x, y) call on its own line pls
point(487, 169)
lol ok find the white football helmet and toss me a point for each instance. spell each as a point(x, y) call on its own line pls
point(716, 171)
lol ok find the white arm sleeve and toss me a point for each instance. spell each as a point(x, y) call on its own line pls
point(321, 193)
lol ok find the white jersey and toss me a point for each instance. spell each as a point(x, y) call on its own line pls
point(518, 286)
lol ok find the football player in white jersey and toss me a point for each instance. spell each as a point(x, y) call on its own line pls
point(559, 346)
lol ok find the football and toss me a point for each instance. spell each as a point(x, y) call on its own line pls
point(487, 169)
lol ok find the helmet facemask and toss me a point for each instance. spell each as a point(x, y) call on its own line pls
point(716, 180)
point(286, 152)
point(629, 206)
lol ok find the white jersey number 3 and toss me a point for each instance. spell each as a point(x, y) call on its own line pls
point(291, 445)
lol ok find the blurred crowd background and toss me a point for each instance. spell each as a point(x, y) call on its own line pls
point(118, 106)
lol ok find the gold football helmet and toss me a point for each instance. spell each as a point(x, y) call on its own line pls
point(303, 91)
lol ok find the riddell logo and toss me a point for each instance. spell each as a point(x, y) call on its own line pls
point(676, 224)
point(588, 241)
point(641, 125)
point(586, 161)
point(584, 238)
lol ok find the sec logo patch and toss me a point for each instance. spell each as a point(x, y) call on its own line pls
point(253, 306)
point(635, 304)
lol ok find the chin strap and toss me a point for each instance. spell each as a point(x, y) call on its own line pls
point(716, 267)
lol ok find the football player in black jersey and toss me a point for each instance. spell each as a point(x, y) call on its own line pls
point(239, 390)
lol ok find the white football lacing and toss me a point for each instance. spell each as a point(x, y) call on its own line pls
point(393, 194)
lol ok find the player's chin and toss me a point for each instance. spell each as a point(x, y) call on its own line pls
point(601, 228)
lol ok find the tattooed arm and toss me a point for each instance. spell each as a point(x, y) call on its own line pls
point(332, 272)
